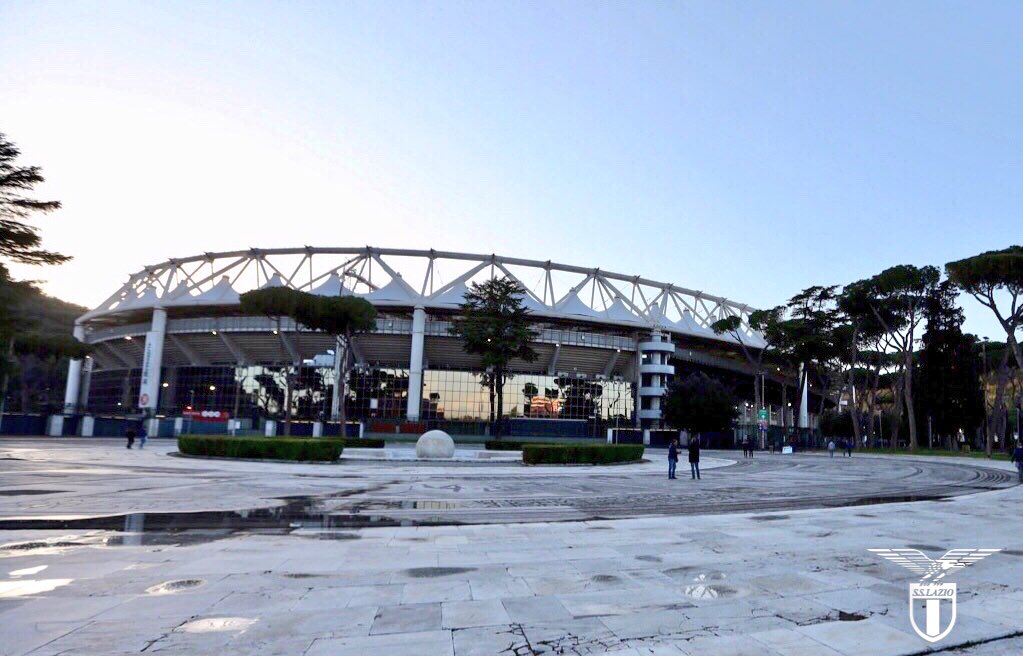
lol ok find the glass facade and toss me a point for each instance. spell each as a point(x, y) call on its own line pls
point(372, 393)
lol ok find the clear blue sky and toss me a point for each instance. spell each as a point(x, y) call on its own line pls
point(747, 149)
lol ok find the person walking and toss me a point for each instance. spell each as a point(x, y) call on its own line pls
point(143, 435)
point(694, 457)
point(831, 448)
point(130, 434)
point(1017, 457)
point(672, 458)
point(848, 448)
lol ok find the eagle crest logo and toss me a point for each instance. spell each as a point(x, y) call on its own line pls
point(926, 596)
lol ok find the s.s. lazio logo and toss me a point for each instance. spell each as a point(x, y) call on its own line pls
point(927, 595)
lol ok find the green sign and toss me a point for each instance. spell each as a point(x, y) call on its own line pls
point(762, 414)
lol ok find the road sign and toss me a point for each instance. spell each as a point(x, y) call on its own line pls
point(762, 414)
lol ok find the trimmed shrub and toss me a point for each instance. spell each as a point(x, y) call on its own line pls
point(268, 448)
point(587, 454)
point(364, 443)
point(510, 445)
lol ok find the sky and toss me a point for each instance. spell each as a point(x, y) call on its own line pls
point(748, 150)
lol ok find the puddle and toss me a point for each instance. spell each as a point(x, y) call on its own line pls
point(430, 572)
point(19, 493)
point(605, 578)
point(1012, 552)
point(709, 591)
point(170, 587)
point(850, 617)
point(28, 587)
point(679, 572)
point(296, 513)
point(710, 576)
point(871, 501)
point(213, 624)
point(329, 535)
point(37, 545)
point(769, 518)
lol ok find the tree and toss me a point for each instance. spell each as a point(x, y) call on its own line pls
point(991, 274)
point(529, 391)
point(764, 322)
point(949, 381)
point(494, 325)
point(896, 297)
point(806, 338)
point(857, 331)
point(343, 317)
point(277, 303)
point(698, 404)
point(19, 242)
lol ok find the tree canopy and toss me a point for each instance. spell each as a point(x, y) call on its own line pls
point(984, 276)
point(20, 241)
point(494, 324)
point(699, 403)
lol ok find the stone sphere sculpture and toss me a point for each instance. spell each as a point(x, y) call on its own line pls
point(435, 444)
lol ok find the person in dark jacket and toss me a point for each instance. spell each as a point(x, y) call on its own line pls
point(672, 458)
point(130, 434)
point(694, 457)
point(1017, 457)
point(848, 448)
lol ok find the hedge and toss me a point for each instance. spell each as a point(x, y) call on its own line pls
point(364, 443)
point(269, 448)
point(512, 445)
point(588, 454)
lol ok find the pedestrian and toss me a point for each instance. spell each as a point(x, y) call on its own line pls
point(672, 457)
point(130, 434)
point(694, 457)
point(1017, 457)
point(848, 448)
point(143, 435)
point(831, 448)
point(746, 448)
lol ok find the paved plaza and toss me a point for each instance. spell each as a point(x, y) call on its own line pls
point(110, 551)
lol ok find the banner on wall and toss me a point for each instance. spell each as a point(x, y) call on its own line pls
point(147, 393)
point(206, 415)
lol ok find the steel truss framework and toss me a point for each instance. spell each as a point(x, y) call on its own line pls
point(429, 279)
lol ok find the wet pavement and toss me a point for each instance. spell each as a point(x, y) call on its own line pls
point(176, 556)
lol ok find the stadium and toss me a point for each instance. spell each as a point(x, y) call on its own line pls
point(172, 343)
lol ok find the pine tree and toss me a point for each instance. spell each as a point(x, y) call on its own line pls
point(948, 376)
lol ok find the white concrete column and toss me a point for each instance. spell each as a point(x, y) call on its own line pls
point(415, 365)
point(335, 402)
point(83, 392)
point(55, 426)
point(152, 359)
point(72, 391)
point(804, 411)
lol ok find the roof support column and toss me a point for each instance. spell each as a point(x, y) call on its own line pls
point(72, 390)
point(340, 355)
point(152, 359)
point(83, 393)
point(415, 365)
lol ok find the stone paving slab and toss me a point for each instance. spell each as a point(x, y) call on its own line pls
point(796, 582)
